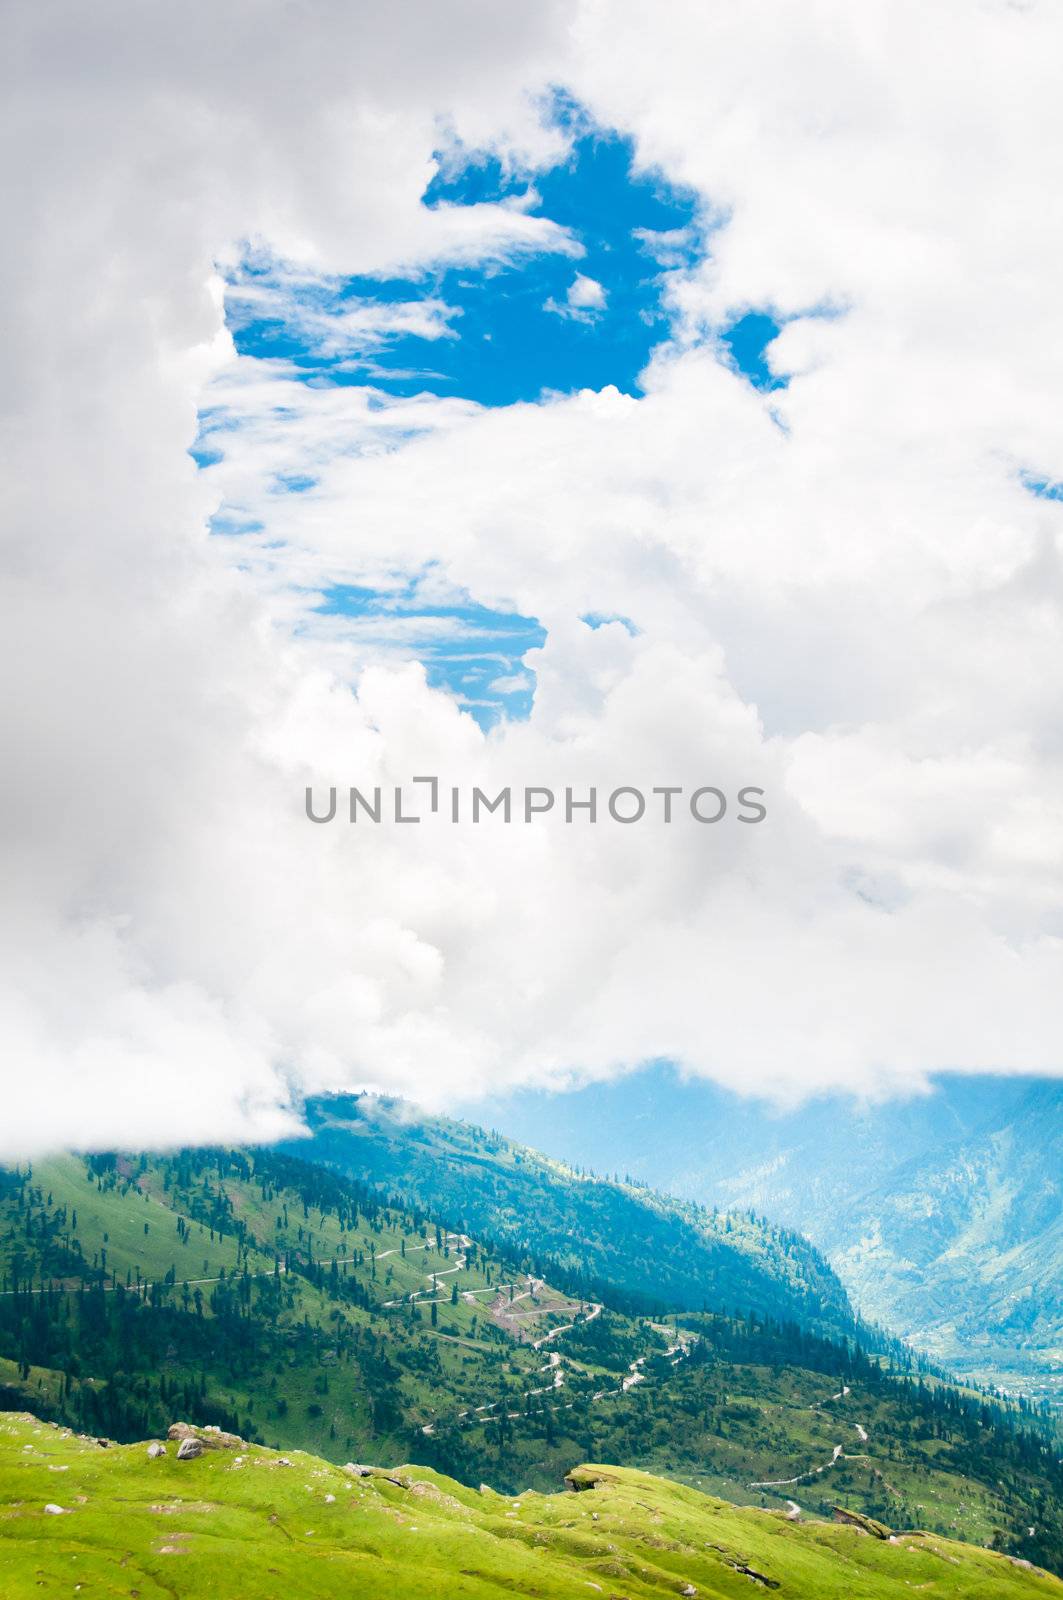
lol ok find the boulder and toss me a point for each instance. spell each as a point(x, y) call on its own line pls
point(219, 1439)
point(580, 1479)
point(189, 1449)
point(856, 1519)
point(210, 1438)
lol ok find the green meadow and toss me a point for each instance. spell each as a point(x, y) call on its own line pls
point(247, 1523)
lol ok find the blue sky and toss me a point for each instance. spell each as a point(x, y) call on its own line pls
point(516, 333)
point(466, 648)
point(497, 333)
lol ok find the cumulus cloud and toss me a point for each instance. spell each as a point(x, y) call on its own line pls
point(584, 300)
point(843, 591)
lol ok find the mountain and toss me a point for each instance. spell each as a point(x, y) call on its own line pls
point(270, 1296)
point(942, 1214)
point(662, 1253)
point(300, 1308)
point(242, 1523)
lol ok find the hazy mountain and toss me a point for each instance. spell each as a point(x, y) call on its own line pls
point(942, 1214)
point(661, 1253)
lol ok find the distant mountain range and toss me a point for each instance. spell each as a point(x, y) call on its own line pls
point(942, 1214)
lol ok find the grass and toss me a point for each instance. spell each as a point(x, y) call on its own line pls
point(137, 1230)
point(248, 1524)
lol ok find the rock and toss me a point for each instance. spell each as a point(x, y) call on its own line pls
point(211, 1438)
point(357, 1471)
point(155, 1449)
point(751, 1572)
point(282, 1461)
point(581, 1479)
point(52, 1510)
point(856, 1519)
point(189, 1449)
point(330, 1499)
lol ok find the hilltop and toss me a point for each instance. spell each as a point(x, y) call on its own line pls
point(242, 1523)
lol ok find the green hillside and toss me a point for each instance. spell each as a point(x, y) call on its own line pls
point(301, 1309)
point(660, 1251)
point(243, 1522)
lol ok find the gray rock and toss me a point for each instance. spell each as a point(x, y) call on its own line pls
point(211, 1438)
point(188, 1449)
point(54, 1510)
point(156, 1449)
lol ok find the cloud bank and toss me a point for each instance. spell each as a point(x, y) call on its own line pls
point(846, 589)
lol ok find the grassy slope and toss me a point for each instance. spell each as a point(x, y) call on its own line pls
point(137, 1235)
point(248, 1526)
point(118, 1211)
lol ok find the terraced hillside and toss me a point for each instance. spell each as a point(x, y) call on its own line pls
point(239, 1522)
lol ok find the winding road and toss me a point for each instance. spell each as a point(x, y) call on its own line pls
point(839, 1453)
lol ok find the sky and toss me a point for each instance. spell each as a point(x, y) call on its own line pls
point(584, 309)
point(557, 396)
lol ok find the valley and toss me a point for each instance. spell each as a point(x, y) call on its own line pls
point(940, 1211)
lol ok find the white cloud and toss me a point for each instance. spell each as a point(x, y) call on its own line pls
point(842, 591)
point(304, 311)
point(584, 300)
point(586, 293)
point(512, 683)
